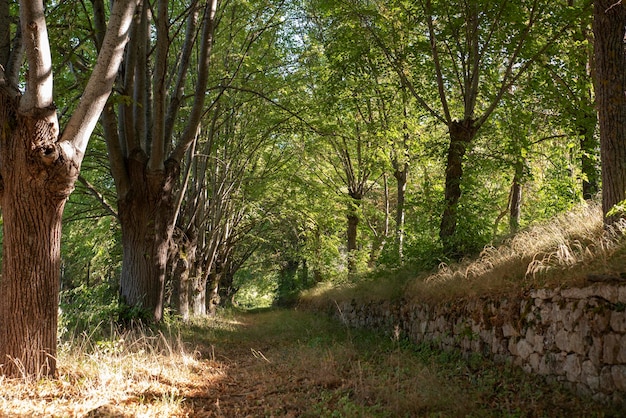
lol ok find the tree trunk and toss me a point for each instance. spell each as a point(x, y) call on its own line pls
point(213, 295)
point(589, 148)
point(35, 185)
point(185, 259)
point(146, 216)
point(401, 179)
point(198, 293)
point(461, 134)
point(515, 205)
point(609, 26)
point(353, 224)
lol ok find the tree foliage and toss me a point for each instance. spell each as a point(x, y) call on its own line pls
point(267, 145)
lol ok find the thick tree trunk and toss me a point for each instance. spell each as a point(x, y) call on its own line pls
point(461, 134)
point(146, 220)
point(609, 25)
point(35, 185)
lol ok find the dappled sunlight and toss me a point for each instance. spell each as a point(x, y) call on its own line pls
point(274, 363)
point(562, 252)
point(134, 375)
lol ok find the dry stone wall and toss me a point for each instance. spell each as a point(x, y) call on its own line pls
point(574, 336)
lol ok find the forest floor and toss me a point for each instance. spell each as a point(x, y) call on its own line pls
point(285, 363)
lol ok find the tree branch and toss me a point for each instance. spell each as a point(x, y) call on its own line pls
point(106, 205)
point(38, 94)
point(84, 119)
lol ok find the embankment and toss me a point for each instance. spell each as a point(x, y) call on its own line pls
point(575, 336)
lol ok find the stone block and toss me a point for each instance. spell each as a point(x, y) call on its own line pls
point(618, 373)
point(546, 314)
point(562, 340)
point(607, 292)
point(524, 349)
point(572, 368)
point(600, 321)
point(512, 347)
point(618, 321)
point(538, 343)
point(596, 351)
point(590, 375)
point(577, 293)
point(533, 360)
point(542, 294)
point(577, 343)
point(621, 294)
point(509, 330)
point(621, 355)
point(611, 348)
point(606, 380)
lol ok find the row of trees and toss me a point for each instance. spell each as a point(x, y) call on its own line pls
point(296, 140)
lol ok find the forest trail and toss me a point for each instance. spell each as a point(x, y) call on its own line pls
point(282, 363)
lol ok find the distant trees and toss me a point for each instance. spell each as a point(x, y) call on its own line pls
point(39, 164)
point(464, 58)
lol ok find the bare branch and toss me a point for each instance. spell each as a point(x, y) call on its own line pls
point(83, 121)
point(206, 46)
point(106, 205)
point(38, 94)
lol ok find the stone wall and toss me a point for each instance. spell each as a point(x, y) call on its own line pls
point(574, 336)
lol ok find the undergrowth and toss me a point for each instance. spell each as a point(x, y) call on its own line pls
point(561, 253)
point(279, 363)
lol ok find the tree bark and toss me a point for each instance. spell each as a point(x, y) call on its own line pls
point(353, 225)
point(609, 26)
point(461, 134)
point(146, 215)
point(589, 148)
point(38, 169)
point(515, 204)
point(401, 180)
point(34, 191)
point(185, 259)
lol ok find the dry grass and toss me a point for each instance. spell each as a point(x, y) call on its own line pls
point(278, 364)
point(563, 252)
point(132, 374)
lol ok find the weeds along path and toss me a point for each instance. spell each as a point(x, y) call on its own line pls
point(283, 363)
point(278, 363)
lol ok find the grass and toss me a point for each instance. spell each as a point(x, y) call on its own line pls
point(561, 253)
point(133, 373)
point(291, 363)
point(280, 363)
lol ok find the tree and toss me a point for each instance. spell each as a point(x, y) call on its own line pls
point(463, 58)
point(38, 167)
point(148, 136)
point(609, 29)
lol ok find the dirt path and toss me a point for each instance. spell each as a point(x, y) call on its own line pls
point(295, 364)
point(269, 364)
point(279, 363)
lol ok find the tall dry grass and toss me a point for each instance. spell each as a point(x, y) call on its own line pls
point(134, 373)
point(561, 252)
point(564, 251)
